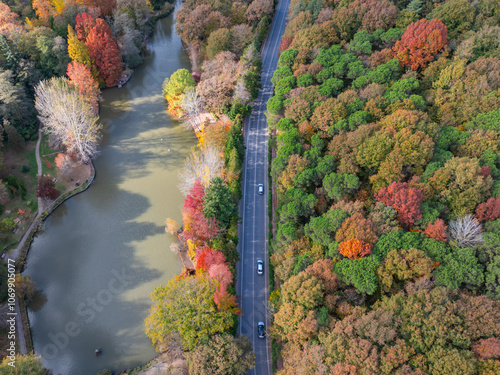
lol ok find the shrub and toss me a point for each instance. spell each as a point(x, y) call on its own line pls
point(16, 186)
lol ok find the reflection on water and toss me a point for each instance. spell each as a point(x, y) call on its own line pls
point(103, 252)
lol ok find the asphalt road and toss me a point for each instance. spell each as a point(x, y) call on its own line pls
point(253, 289)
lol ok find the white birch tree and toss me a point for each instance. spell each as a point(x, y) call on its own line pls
point(201, 165)
point(192, 107)
point(67, 117)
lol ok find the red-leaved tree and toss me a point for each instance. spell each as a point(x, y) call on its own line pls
point(196, 226)
point(208, 257)
point(420, 43)
point(354, 248)
point(84, 23)
point(46, 188)
point(436, 230)
point(104, 51)
point(81, 78)
point(222, 274)
point(489, 210)
point(404, 199)
point(286, 42)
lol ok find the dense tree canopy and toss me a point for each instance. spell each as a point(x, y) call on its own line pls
point(186, 306)
point(386, 163)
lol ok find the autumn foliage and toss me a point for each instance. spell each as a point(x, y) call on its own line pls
point(104, 51)
point(285, 43)
point(64, 163)
point(8, 19)
point(357, 227)
point(213, 263)
point(487, 348)
point(404, 199)
point(488, 211)
point(46, 188)
point(208, 257)
point(84, 23)
point(104, 6)
point(81, 77)
point(354, 248)
point(436, 230)
point(196, 225)
point(420, 43)
point(43, 9)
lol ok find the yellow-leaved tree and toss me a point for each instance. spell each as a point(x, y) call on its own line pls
point(186, 306)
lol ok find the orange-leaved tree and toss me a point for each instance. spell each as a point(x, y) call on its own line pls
point(436, 230)
point(104, 52)
point(420, 43)
point(64, 163)
point(354, 248)
point(84, 23)
point(43, 9)
point(81, 78)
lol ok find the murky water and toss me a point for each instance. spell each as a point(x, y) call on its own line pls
point(103, 252)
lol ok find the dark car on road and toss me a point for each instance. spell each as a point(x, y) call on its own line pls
point(261, 330)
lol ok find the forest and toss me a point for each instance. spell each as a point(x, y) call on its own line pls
point(384, 127)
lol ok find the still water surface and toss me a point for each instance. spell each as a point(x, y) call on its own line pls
point(102, 253)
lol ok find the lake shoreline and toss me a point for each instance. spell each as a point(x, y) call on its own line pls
point(38, 220)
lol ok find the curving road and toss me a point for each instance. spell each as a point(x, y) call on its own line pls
point(253, 289)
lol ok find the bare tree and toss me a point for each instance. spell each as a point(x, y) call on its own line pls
point(241, 93)
point(192, 107)
point(201, 165)
point(171, 226)
point(174, 247)
point(466, 231)
point(67, 117)
point(218, 80)
point(258, 9)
